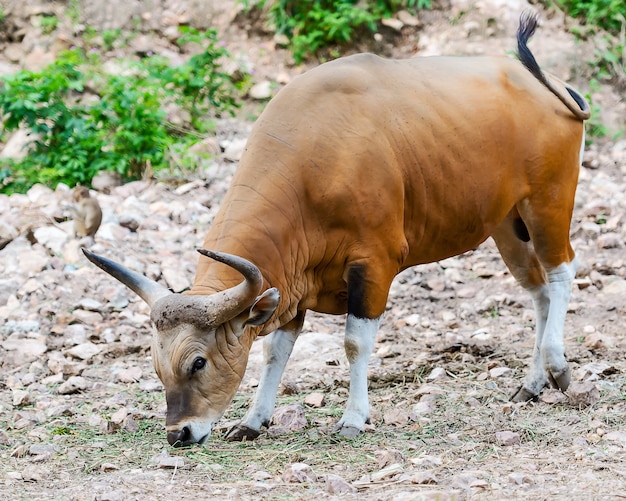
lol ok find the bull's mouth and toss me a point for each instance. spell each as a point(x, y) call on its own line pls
point(185, 437)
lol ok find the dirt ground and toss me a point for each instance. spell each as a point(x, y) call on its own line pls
point(82, 411)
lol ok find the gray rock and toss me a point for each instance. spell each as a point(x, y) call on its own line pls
point(85, 351)
point(261, 90)
point(74, 384)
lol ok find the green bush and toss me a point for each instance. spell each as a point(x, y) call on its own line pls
point(119, 125)
point(610, 62)
point(312, 25)
point(607, 14)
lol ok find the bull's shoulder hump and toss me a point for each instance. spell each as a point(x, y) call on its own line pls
point(347, 74)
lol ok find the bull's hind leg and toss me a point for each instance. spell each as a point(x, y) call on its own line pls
point(550, 287)
point(277, 348)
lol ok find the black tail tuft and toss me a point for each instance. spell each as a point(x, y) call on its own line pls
point(527, 25)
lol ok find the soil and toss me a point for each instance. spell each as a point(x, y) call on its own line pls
point(452, 349)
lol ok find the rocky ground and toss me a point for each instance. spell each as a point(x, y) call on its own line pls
point(81, 409)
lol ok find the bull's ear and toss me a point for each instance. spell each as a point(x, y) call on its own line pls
point(263, 307)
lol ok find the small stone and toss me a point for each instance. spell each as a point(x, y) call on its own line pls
point(387, 472)
point(315, 400)
point(41, 449)
point(616, 286)
point(118, 416)
point(130, 425)
point(412, 320)
point(507, 438)
point(261, 90)
point(423, 477)
point(336, 485)
point(130, 375)
point(34, 473)
point(553, 396)
point(5, 441)
point(289, 417)
point(407, 18)
point(165, 461)
point(597, 341)
point(234, 149)
point(422, 408)
point(615, 436)
point(392, 23)
point(583, 394)
point(171, 462)
point(299, 473)
point(497, 372)
point(20, 397)
point(261, 475)
point(74, 384)
point(437, 374)
point(396, 416)
point(85, 351)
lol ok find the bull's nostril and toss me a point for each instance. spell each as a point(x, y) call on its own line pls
point(179, 438)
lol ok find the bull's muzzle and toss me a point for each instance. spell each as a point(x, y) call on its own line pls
point(188, 434)
point(180, 438)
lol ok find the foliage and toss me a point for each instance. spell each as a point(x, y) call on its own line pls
point(312, 25)
point(594, 127)
point(610, 58)
point(607, 14)
point(48, 23)
point(199, 85)
point(119, 124)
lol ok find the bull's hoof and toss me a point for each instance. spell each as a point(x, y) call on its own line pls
point(241, 433)
point(523, 395)
point(348, 431)
point(560, 381)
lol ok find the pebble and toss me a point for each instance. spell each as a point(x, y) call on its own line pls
point(337, 486)
point(507, 438)
point(299, 473)
point(583, 394)
point(73, 384)
point(85, 351)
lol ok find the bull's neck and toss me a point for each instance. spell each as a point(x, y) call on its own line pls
point(251, 240)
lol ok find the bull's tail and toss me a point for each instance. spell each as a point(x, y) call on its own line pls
point(527, 26)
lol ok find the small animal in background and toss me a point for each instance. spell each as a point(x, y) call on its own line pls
point(87, 213)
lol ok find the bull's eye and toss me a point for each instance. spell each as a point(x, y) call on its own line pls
point(198, 364)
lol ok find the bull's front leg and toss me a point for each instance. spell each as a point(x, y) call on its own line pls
point(359, 343)
point(277, 348)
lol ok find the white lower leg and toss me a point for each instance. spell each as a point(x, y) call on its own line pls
point(277, 348)
point(552, 346)
point(359, 343)
point(536, 377)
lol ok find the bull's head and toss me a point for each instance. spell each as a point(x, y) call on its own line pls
point(199, 352)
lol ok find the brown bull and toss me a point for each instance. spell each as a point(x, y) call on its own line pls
point(355, 171)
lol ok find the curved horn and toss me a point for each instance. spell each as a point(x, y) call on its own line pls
point(148, 290)
point(229, 303)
